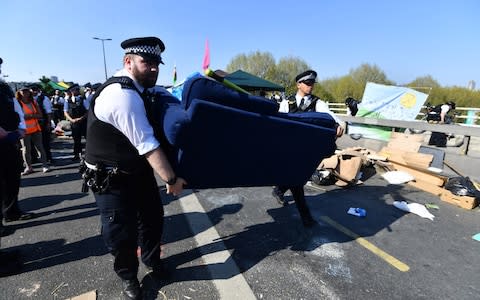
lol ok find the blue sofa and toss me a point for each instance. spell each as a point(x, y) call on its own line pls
point(223, 138)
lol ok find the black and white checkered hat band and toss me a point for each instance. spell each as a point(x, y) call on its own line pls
point(307, 77)
point(150, 50)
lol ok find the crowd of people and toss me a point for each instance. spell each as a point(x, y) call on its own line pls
point(27, 119)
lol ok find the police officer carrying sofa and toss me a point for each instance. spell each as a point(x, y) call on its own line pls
point(122, 153)
point(303, 101)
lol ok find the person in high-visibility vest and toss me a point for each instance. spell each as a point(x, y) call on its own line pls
point(33, 131)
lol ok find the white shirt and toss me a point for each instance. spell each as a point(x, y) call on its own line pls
point(124, 110)
point(320, 106)
point(59, 99)
point(47, 105)
point(66, 105)
point(19, 111)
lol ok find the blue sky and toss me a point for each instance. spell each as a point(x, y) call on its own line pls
point(405, 39)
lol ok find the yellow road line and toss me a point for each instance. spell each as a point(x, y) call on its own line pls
point(369, 246)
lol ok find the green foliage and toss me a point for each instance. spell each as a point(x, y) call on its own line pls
point(336, 89)
point(261, 64)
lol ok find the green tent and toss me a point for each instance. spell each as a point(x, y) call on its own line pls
point(251, 82)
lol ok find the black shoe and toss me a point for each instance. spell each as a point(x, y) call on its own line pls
point(9, 263)
point(131, 289)
point(6, 230)
point(76, 158)
point(279, 199)
point(22, 216)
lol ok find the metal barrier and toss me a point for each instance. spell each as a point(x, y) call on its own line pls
point(467, 131)
point(464, 115)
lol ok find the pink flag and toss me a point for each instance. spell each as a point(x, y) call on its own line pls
point(206, 58)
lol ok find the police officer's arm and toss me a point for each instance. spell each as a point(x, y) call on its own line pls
point(159, 162)
point(119, 114)
point(66, 114)
point(47, 106)
point(323, 107)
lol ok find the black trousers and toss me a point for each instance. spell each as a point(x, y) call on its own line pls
point(79, 129)
point(131, 216)
point(299, 198)
point(10, 169)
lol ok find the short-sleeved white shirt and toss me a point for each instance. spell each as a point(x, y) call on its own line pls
point(47, 105)
point(124, 110)
point(19, 111)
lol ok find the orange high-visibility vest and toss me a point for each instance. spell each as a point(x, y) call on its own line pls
point(31, 124)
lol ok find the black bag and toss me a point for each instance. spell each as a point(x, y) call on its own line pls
point(462, 186)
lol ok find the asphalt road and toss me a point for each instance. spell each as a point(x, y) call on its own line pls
point(240, 244)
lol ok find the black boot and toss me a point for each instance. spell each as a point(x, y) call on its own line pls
point(131, 289)
point(278, 195)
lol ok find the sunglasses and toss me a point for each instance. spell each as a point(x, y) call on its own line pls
point(308, 82)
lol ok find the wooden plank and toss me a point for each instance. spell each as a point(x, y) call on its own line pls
point(92, 295)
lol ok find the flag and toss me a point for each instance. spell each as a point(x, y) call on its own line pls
point(174, 74)
point(206, 57)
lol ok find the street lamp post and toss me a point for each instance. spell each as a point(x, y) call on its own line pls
point(103, 48)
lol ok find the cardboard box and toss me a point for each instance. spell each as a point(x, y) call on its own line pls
point(427, 187)
point(421, 175)
point(418, 160)
point(462, 201)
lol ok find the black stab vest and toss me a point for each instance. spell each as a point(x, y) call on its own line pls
point(76, 108)
point(9, 119)
point(293, 108)
point(106, 145)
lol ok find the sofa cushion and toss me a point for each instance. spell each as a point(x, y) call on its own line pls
point(220, 146)
point(211, 90)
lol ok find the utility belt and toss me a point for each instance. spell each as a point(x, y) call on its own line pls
point(98, 177)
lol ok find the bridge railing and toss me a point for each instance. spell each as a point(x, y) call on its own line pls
point(463, 115)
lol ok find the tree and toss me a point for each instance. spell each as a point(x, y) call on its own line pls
point(261, 64)
point(286, 70)
point(424, 81)
point(367, 73)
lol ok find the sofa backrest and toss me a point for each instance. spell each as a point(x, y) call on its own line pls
point(210, 90)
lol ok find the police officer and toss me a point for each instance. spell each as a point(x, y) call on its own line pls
point(12, 128)
point(303, 101)
point(75, 110)
point(122, 151)
point(58, 102)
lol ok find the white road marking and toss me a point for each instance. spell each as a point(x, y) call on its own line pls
point(229, 281)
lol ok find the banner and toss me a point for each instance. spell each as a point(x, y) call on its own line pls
point(386, 102)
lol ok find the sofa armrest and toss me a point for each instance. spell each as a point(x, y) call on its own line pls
point(213, 91)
